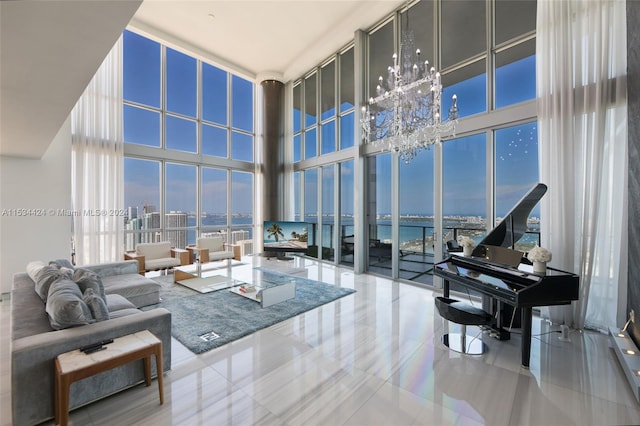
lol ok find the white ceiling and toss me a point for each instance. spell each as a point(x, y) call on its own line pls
point(50, 50)
point(262, 36)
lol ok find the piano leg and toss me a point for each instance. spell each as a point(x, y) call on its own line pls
point(527, 314)
point(496, 308)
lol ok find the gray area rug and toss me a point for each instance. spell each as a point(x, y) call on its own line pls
point(203, 322)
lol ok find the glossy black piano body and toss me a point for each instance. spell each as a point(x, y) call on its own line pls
point(501, 284)
point(512, 286)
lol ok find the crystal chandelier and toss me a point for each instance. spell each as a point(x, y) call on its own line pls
point(405, 117)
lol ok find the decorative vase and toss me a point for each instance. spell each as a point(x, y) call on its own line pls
point(467, 250)
point(539, 267)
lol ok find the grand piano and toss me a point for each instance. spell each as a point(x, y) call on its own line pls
point(505, 279)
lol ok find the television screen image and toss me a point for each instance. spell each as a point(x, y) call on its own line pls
point(285, 236)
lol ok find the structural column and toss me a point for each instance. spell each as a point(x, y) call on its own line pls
point(273, 150)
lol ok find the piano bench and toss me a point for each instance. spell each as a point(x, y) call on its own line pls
point(464, 314)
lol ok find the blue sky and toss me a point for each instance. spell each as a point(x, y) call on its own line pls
point(464, 158)
point(142, 125)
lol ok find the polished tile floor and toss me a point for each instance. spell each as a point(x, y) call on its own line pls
point(371, 358)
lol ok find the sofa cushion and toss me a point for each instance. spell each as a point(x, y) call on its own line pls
point(65, 305)
point(46, 276)
point(138, 289)
point(162, 263)
point(211, 243)
point(220, 255)
point(86, 278)
point(154, 250)
point(97, 305)
point(116, 302)
point(114, 268)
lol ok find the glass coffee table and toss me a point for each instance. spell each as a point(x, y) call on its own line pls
point(203, 279)
point(267, 291)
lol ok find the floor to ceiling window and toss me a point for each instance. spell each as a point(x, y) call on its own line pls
point(189, 154)
point(378, 208)
point(378, 214)
point(485, 52)
point(142, 198)
point(328, 218)
point(416, 225)
point(298, 186)
point(213, 196)
point(346, 176)
point(310, 117)
point(311, 210)
point(180, 199)
point(241, 119)
point(347, 101)
point(241, 205)
point(323, 123)
point(464, 187)
point(474, 183)
point(296, 115)
point(516, 172)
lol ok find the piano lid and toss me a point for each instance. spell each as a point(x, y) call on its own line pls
point(514, 225)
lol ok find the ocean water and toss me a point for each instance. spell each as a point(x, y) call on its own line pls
point(411, 231)
point(414, 231)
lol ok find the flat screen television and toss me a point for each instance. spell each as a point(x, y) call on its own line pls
point(282, 237)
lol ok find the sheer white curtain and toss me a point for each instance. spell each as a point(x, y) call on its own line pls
point(97, 165)
point(582, 113)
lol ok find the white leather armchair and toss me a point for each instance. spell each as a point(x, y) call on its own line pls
point(210, 249)
point(157, 256)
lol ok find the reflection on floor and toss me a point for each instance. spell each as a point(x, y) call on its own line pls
point(417, 267)
point(374, 357)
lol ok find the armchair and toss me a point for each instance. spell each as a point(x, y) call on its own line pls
point(209, 249)
point(157, 256)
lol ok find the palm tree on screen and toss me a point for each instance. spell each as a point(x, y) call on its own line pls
point(275, 231)
point(300, 237)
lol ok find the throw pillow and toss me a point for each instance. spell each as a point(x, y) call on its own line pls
point(62, 263)
point(96, 304)
point(65, 306)
point(86, 278)
point(67, 270)
point(45, 277)
point(33, 268)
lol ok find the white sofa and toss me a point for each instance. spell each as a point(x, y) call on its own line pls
point(210, 249)
point(157, 256)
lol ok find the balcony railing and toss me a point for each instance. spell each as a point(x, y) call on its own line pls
point(416, 238)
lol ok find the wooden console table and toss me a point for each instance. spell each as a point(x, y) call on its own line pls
point(76, 365)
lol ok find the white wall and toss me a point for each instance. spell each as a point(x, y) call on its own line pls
point(44, 186)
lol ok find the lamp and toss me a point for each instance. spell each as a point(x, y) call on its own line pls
point(404, 117)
